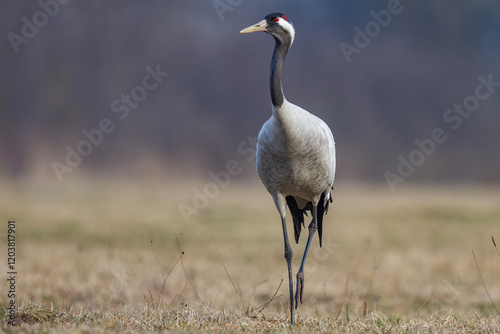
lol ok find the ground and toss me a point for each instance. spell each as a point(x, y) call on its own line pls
point(112, 256)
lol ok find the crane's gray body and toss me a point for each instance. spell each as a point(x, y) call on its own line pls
point(296, 156)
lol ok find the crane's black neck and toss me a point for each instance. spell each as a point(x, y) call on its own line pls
point(279, 54)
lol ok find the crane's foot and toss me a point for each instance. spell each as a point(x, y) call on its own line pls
point(300, 288)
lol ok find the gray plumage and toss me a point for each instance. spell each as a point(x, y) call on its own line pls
point(296, 158)
point(295, 154)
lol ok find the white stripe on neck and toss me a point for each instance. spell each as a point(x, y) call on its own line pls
point(288, 27)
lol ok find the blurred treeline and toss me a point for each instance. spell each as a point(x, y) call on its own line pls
point(396, 90)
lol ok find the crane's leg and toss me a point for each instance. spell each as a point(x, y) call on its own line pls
point(300, 274)
point(288, 258)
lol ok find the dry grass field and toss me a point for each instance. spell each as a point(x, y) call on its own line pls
point(115, 256)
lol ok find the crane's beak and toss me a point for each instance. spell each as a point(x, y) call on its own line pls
point(261, 26)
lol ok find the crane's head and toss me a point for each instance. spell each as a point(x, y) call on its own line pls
point(275, 24)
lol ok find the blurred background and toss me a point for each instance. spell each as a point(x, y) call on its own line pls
point(64, 64)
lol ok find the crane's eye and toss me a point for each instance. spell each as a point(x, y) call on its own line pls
point(276, 19)
point(285, 18)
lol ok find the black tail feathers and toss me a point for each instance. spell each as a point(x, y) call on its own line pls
point(298, 215)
